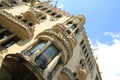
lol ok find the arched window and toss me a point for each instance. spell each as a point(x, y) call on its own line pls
point(45, 58)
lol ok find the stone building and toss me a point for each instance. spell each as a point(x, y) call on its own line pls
point(41, 42)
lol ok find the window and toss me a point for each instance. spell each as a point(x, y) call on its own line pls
point(76, 31)
point(24, 20)
point(81, 43)
point(87, 56)
point(12, 1)
point(30, 24)
point(40, 6)
point(96, 78)
point(83, 47)
point(91, 67)
point(43, 17)
point(44, 9)
point(19, 17)
point(35, 48)
point(1, 5)
point(68, 31)
point(82, 63)
point(10, 42)
point(24, 0)
point(85, 51)
point(88, 60)
point(48, 11)
point(72, 26)
point(1, 27)
point(90, 63)
point(58, 16)
point(5, 34)
point(53, 14)
point(45, 58)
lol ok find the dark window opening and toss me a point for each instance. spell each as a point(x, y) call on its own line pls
point(85, 51)
point(43, 17)
point(70, 22)
point(39, 15)
point(87, 56)
point(30, 24)
point(75, 74)
point(12, 1)
point(91, 67)
point(48, 11)
point(44, 9)
point(90, 63)
point(83, 47)
point(76, 31)
point(24, 0)
point(39, 6)
point(5, 34)
point(53, 14)
point(58, 16)
point(81, 43)
point(81, 61)
point(73, 26)
point(46, 57)
point(35, 48)
point(1, 27)
point(1, 5)
point(19, 17)
point(77, 79)
point(24, 20)
point(88, 60)
point(10, 42)
point(96, 78)
point(68, 31)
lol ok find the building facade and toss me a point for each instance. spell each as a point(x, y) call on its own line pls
point(41, 42)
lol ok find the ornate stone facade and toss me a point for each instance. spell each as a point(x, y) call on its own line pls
point(40, 42)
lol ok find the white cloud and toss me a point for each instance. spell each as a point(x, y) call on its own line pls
point(113, 35)
point(109, 57)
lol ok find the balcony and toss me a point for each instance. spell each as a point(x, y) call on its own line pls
point(12, 24)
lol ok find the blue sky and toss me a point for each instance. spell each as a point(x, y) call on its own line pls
point(101, 16)
point(103, 29)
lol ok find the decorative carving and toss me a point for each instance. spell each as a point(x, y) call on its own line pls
point(81, 70)
point(30, 16)
point(66, 74)
point(82, 73)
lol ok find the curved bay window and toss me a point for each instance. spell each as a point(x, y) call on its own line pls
point(46, 57)
point(35, 48)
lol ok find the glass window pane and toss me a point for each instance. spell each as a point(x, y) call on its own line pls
point(71, 26)
point(35, 48)
point(45, 58)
